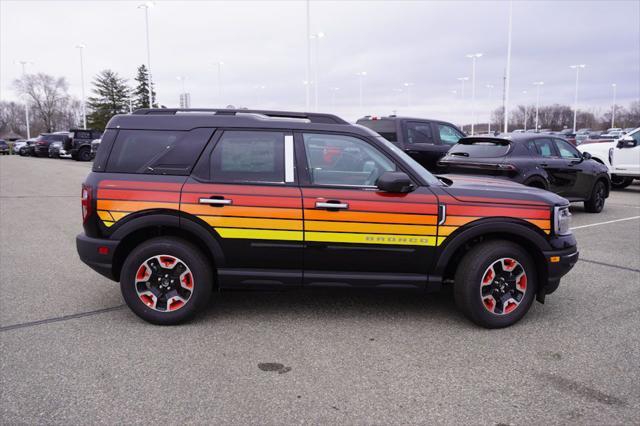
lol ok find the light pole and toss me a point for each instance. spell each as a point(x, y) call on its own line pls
point(408, 86)
point(84, 107)
point(490, 87)
point(26, 101)
point(507, 78)
point(362, 75)
point(146, 7)
point(308, 71)
point(473, 57)
point(183, 94)
point(575, 101)
point(219, 65)
point(537, 84)
point(524, 92)
point(462, 79)
point(316, 37)
point(613, 105)
point(334, 90)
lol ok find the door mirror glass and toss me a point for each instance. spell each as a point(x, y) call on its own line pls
point(627, 142)
point(586, 156)
point(395, 182)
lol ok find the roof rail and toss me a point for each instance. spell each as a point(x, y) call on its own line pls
point(311, 116)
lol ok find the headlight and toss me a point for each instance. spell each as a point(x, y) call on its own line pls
point(561, 220)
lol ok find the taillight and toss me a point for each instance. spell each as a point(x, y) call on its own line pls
point(86, 202)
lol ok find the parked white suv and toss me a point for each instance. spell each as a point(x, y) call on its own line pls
point(621, 156)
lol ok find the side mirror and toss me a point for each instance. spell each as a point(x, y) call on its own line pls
point(394, 182)
point(626, 142)
point(586, 156)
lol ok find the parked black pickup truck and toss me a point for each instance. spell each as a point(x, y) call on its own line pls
point(79, 144)
point(427, 141)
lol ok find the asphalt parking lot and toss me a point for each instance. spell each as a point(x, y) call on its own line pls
point(72, 354)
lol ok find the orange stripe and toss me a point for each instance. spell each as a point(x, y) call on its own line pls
point(133, 195)
point(377, 228)
point(243, 211)
point(132, 206)
point(367, 195)
point(248, 200)
point(348, 216)
point(498, 211)
point(380, 207)
point(132, 184)
point(243, 222)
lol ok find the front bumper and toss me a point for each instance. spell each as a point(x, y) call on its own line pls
point(97, 253)
point(559, 263)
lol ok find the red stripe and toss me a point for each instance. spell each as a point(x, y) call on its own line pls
point(217, 189)
point(247, 200)
point(373, 195)
point(131, 184)
point(467, 199)
point(484, 211)
point(372, 206)
point(132, 195)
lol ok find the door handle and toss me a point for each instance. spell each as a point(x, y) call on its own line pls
point(331, 205)
point(544, 164)
point(215, 201)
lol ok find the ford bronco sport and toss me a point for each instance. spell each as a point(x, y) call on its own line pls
point(182, 202)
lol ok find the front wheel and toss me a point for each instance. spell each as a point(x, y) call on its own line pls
point(595, 203)
point(495, 284)
point(84, 154)
point(620, 182)
point(166, 281)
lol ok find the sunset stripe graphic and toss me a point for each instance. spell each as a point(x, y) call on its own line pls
point(289, 214)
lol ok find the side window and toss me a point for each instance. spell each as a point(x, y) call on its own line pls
point(545, 147)
point(449, 135)
point(419, 132)
point(344, 160)
point(249, 156)
point(156, 151)
point(566, 150)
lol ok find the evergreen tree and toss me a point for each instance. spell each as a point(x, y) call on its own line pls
point(111, 98)
point(141, 91)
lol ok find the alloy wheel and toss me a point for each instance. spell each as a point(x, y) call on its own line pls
point(503, 286)
point(164, 283)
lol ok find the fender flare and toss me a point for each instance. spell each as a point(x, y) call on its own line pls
point(514, 227)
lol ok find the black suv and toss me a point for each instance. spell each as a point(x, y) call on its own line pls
point(427, 141)
point(180, 202)
point(537, 160)
point(41, 145)
point(79, 143)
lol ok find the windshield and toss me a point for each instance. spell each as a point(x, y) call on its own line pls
point(413, 164)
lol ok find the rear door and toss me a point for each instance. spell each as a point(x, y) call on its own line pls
point(574, 171)
point(549, 160)
point(356, 235)
point(421, 143)
point(244, 190)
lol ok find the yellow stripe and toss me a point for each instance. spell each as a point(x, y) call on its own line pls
point(407, 240)
point(441, 240)
point(389, 228)
point(118, 215)
point(107, 224)
point(259, 234)
point(222, 221)
point(104, 215)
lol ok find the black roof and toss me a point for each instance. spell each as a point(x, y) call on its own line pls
point(187, 119)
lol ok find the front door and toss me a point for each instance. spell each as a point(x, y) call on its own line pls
point(626, 156)
point(249, 198)
point(356, 235)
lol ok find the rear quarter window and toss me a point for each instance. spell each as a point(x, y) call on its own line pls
point(481, 148)
point(385, 128)
point(157, 151)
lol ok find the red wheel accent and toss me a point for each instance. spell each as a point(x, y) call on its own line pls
point(503, 286)
point(164, 283)
point(510, 306)
point(488, 276)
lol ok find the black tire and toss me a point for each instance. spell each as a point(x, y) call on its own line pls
point(620, 182)
point(84, 154)
point(536, 183)
point(186, 253)
point(473, 269)
point(595, 203)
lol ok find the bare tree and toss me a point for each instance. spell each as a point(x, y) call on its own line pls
point(48, 95)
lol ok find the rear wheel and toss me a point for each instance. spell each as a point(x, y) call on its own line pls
point(495, 284)
point(620, 182)
point(84, 154)
point(595, 203)
point(166, 281)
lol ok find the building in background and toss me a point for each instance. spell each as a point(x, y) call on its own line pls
point(185, 100)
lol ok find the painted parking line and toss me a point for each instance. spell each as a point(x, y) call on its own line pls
point(604, 223)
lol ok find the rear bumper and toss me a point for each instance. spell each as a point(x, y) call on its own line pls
point(559, 263)
point(89, 250)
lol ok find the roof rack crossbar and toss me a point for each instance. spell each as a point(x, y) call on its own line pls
point(311, 116)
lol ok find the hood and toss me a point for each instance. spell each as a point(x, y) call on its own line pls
point(482, 189)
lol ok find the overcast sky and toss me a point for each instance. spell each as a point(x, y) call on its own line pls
point(263, 47)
